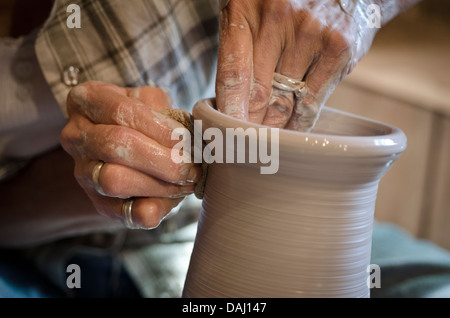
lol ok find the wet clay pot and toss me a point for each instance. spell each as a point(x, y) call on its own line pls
point(304, 231)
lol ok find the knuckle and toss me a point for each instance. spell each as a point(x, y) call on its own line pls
point(153, 93)
point(80, 97)
point(259, 101)
point(260, 93)
point(275, 13)
point(121, 112)
point(338, 45)
point(77, 97)
point(113, 183)
point(70, 136)
point(66, 134)
point(231, 78)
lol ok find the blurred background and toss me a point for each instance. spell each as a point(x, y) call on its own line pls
point(404, 80)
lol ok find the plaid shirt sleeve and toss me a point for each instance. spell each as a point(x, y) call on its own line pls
point(168, 43)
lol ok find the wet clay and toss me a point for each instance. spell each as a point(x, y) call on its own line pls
point(187, 120)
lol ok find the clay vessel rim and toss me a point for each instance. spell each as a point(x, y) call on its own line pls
point(384, 140)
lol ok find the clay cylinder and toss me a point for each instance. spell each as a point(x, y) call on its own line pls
point(303, 231)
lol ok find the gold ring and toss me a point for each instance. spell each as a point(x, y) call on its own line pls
point(96, 177)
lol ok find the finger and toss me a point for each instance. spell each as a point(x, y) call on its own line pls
point(148, 213)
point(234, 68)
point(265, 58)
point(123, 182)
point(295, 61)
point(128, 147)
point(321, 81)
point(109, 104)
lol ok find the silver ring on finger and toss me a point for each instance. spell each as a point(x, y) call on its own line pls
point(127, 216)
point(286, 83)
point(96, 177)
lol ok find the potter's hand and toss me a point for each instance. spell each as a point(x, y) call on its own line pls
point(318, 42)
point(124, 128)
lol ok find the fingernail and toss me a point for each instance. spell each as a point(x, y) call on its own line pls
point(194, 174)
point(180, 194)
point(184, 183)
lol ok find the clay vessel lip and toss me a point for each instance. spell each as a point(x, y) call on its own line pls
point(336, 133)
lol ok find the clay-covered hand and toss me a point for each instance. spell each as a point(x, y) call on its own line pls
point(124, 128)
point(318, 42)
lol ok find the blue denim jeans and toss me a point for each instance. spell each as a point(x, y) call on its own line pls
point(103, 276)
point(409, 268)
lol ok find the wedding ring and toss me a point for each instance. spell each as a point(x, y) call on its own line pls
point(288, 84)
point(126, 213)
point(96, 177)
